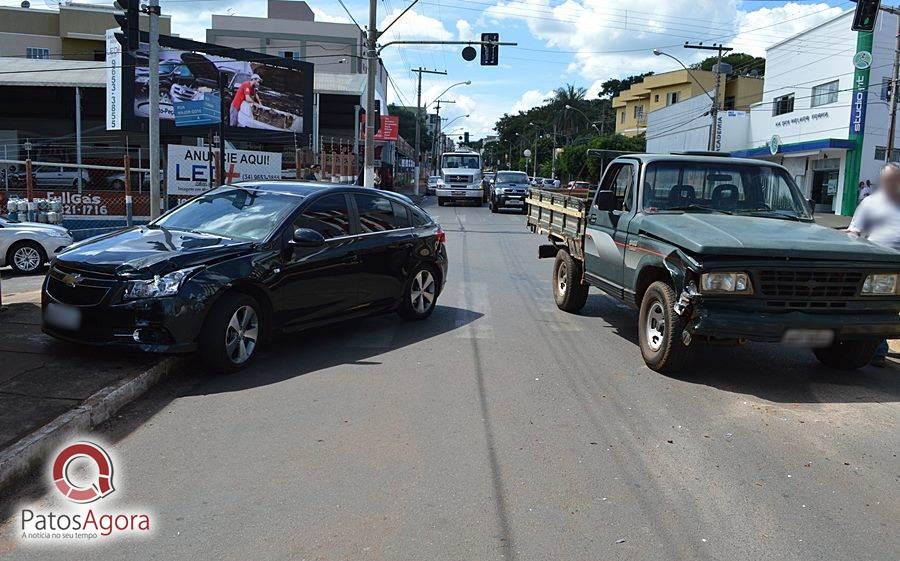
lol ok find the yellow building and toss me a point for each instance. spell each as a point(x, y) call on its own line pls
point(661, 90)
point(73, 32)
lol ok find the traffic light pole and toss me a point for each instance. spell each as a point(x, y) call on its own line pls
point(155, 195)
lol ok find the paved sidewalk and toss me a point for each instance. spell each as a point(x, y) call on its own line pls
point(41, 378)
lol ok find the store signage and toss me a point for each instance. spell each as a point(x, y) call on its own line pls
point(858, 107)
point(775, 144)
point(204, 111)
point(190, 170)
point(388, 131)
point(802, 119)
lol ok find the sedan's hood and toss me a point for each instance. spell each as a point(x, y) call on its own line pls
point(721, 234)
point(146, 251)
point(25, 227)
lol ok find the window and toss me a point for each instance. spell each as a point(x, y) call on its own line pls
point(288, 54)
point(622, 117)
point(37, 52)
point(380, 214)
point(729, 103)
point(656, 98)
point(885, 89)
point(824, 94)
point(639, 112)
point(783, 104)
point(881, 154)
point(621, 182)
point(328, 216)
point(671, 98)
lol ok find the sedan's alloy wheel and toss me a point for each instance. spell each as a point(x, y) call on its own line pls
point(241, 335)
point(27, 258)
point(423, 291)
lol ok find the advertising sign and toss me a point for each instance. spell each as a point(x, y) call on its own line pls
point(205, 110)
point(388, 131)
point(190, 171)
point(113, 82)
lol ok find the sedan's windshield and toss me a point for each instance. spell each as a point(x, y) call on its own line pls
point(461, 162)
point(232, 212)
point(511, 178)
point(731, 188)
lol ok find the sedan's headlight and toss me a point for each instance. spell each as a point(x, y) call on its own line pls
point(726, 283)
point(881, 284)
point(158, 286)
point(57, 234)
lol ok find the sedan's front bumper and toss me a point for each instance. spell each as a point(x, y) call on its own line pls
point(773, 327)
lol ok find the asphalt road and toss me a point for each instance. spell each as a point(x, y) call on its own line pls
point(503, 428)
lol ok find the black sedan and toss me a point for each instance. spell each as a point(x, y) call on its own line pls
point(225, 271)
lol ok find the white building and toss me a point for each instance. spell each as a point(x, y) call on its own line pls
point(809, 114)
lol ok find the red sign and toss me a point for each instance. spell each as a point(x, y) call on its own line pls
point(389, 130)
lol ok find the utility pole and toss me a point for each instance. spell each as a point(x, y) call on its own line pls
point(892, 130)
point(371, 125)
point(420, 71)
point(440, 126)
point(714, 112)
point(155, 199)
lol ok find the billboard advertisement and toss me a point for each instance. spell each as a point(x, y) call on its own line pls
point(388, 130)
point(190, 169)
point(265, 97)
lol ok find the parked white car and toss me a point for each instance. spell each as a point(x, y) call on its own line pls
point(28, 246)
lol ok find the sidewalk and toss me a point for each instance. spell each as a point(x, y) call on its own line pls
point(41, 378)
point(833, 221)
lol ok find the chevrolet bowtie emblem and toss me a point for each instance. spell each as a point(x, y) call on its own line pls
point(71, 280)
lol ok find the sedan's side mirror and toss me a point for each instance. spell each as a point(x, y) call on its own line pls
point(606, 200)
point(305, 237)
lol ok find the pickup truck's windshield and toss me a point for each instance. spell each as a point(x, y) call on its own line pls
point(514, 177)
point(453, 161)
point(736, 189)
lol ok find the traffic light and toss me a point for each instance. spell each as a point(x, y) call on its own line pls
point(490, 54)
point(866, 15)
point(465, 138)
point(130, 22)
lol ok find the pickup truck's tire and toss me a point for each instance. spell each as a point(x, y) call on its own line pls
point(568, 290)
point(847, 355)
point(660, 329)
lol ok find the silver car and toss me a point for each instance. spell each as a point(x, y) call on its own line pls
point(28, 246)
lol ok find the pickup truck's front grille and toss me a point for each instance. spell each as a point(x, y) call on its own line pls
point(815, 285)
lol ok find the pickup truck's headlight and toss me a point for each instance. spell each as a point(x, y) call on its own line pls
point(725, 283)
point(881, 284)
point(158, 286)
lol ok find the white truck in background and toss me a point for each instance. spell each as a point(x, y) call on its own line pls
point(461, 179)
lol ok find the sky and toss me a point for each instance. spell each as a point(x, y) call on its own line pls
point(580, 42)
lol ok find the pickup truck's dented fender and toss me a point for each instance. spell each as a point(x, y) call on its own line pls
point(683, 271)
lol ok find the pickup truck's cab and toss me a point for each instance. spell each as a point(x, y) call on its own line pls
point(716, 248)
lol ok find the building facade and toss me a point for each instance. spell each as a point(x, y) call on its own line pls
point(73, 32)
point(634, 105)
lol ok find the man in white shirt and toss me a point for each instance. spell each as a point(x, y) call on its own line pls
point(865, 189)
point(877, 218)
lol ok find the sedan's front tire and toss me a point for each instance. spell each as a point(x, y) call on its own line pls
point(26, 257)
point(231, 334)
point(420, 294)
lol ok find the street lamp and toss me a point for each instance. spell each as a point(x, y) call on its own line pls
point(715, 102)
point(580, 112)
point(456, 119)
point(466, 83)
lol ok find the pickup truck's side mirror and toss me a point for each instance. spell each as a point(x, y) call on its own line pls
point(812, 206)
point(305, 237)
point(606, 200)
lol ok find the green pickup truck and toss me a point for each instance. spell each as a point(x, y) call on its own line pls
point(714, 249)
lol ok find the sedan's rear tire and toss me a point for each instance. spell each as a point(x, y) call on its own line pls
point(26, 257)
point(568, 291)
point(848, 355)
point(493, 205)
point(420, 294)
point(231, 333)
point(660, 330)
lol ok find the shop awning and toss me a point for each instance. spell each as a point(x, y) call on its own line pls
point(808, 146)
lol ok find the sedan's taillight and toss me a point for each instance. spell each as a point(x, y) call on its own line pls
point(441, 236)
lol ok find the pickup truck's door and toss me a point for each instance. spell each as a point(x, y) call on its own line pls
point(607, 231)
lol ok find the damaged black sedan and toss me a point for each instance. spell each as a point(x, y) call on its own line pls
point(225, 271)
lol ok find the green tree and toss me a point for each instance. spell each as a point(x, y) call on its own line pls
point(408, 125)
point(742, 64)
point(613, 87)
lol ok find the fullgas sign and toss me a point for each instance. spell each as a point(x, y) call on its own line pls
point(191, 169)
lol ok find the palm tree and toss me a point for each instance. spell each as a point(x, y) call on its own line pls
point(569, 94)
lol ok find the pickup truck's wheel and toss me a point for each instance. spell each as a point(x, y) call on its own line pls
point(570, 294)
point(847, 355)
point(660, 329)
point(231, 333)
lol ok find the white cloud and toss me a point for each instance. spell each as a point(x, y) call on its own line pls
point(413, 26)
point(530, 100)
point(465, 31)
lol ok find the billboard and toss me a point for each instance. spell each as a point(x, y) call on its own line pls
point(265, 97)
point(388, 130)
point(190, 169)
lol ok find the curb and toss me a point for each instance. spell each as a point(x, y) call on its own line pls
point(19, 458)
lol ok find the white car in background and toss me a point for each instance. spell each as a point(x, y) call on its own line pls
point(28, 246)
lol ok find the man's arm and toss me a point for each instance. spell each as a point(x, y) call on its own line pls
point(861, 218)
